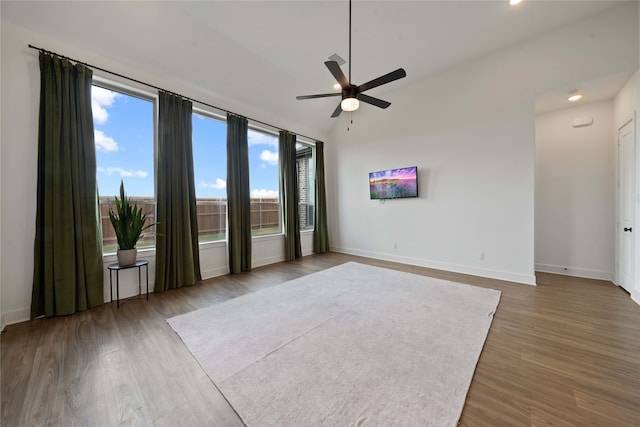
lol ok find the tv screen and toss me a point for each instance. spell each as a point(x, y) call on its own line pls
point(394, 183)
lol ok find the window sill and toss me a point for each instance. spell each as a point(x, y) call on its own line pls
point(268, 236)
point(143, 253)
point(212, 243)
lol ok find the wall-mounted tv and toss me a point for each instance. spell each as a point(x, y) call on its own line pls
point(394, 183)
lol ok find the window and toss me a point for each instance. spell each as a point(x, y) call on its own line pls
point(306, 185)
point(264, 183)
point(210, 170)
point(124, 128)
point(124, 137)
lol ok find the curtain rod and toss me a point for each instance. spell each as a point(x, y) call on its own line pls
point(164, 90)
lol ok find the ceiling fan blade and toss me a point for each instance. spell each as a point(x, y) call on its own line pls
point(387, 78)
point(337, 73)
point(337, 111)
point(373, 101)
point(322, 95)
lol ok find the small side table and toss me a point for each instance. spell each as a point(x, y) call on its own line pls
point(117, 267)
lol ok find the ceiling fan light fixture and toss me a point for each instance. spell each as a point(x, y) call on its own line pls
point(352, 94)
point(350, 104)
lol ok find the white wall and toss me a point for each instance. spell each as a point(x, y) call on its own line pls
point(575, 192)
point(20, 87)
point(471, 132)
point(19, 158)
point(475, 180)
point(626, 106)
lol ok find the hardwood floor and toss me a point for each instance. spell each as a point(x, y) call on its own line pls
point(566, 352)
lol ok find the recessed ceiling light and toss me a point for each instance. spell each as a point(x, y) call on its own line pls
point(575, 97)
point(337, 86)
point(514, 2)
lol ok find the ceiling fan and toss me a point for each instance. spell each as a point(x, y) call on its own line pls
point(352, 94)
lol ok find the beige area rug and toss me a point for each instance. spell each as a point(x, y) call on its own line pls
point(348, 346)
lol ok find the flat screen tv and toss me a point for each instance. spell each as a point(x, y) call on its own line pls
point(394, 183)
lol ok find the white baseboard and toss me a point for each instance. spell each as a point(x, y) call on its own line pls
point(635, 297)
point(455, 268)
point(214, 272)
point(16, 316)
point(576, 272)
point(266, 261)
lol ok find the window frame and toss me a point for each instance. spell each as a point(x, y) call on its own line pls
point(252, 126)
point(221, 118)
point(312, 166)
point(145, 95)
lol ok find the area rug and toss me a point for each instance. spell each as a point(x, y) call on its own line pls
point(348, 346)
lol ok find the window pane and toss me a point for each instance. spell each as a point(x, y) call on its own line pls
point(306, 185)
point(263, 181)
point(123, 129)
point(210, 169)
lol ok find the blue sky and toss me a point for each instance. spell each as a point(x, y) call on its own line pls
point(123, 128)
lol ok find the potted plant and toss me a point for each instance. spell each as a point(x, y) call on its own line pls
point(128, 223)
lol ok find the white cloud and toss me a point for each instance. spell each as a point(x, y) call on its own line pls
point(104, 142)
point(220, 184)
point(264, 194)
point(255, 138)
point(269, 157)
point(100, 99)
point(124, 172)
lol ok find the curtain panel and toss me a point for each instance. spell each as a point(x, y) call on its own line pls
point(67, 273)
point(177, 252)
point(238, 195)
point(321, 231)
point(289, 195)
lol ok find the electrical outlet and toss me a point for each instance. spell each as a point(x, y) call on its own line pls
point(480, 256)
point(395, 246)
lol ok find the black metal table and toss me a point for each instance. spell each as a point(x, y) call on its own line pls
point(117, 267)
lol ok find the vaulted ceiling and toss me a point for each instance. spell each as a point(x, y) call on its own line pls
point(260, 54)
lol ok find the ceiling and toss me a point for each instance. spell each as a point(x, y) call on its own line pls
point(254, 57)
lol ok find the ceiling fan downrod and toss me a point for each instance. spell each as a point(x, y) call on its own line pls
point(349, 40)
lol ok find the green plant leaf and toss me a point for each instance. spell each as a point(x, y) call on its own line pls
point(128, 221)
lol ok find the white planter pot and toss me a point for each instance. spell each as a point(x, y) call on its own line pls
point(127, 256)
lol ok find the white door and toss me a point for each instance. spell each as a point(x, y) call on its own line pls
point(626, 205)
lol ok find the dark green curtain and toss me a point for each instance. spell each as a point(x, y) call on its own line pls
point(67, 272)
point(321, 231)
point(289, 195)
point(238, 195)
point(177, 254)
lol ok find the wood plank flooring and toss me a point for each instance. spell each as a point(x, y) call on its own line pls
point(566, 352)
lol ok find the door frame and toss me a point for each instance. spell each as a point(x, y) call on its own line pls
point(635, 268)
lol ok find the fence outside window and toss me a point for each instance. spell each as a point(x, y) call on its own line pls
point(211, 214)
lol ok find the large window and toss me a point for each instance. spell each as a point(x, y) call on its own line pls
point(306, 185)
point(210, 170)
point(124, 123)
point(124, 137)
point(264, 183)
